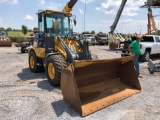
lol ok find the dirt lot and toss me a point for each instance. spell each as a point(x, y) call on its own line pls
point(29, 96)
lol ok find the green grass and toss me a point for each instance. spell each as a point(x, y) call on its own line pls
point(18, 34)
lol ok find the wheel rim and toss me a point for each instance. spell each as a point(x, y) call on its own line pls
point(32, 62)
point(51, 71)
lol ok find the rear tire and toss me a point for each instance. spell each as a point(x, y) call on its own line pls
point(33, 61)
point(54, 65)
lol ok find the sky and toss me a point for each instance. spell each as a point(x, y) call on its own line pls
point(97, 15)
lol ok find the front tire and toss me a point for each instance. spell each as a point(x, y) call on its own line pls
point(145, 57)
point(54, 65)
point(22, 50)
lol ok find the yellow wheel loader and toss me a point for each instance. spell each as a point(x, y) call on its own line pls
point(53, 47)
point(87, 84)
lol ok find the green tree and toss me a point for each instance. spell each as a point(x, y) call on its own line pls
point(29, 30)
point(24, 29)
point(100, 32)
point(158, 32)
point(2, 28)
point(9, 29)
point(35, 28)
point(93, 32)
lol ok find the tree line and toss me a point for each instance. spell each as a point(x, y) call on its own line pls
point(24, 29)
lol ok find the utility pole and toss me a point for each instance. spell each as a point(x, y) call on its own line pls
point(84, 14)
point(140, 30)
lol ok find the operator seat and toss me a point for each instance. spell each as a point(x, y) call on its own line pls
point(55, 26)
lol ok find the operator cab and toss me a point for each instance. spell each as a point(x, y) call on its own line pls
point(3, 33)
point(54, 23)
point(51, 24)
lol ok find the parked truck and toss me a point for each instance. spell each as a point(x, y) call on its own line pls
point(88, 36)
point(149, 45)
point(101, 38)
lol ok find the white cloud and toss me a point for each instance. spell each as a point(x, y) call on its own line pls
point(54, 6)
point(124, 26)
point(28, 17)
point(9, 1)
point(86, 1)
point(111, 7)
point(42, 2)
point(126, 20)
point(81, 11)
point(133, 26)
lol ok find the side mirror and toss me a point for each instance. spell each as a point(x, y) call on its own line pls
point(74, 20)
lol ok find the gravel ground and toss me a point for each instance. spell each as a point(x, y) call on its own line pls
point(29, 96)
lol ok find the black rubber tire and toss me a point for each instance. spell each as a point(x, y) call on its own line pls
point(36, 68)
point(22, 50)
point(59, 64)
point(145, 57)
point(123, 51)
point(112, 45)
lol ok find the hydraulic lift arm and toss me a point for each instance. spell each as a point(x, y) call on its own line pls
point(68, 7)
point(118, 16)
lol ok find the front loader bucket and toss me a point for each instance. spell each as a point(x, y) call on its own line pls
point(90, 85)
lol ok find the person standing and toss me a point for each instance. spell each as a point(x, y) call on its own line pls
point(134, 49)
